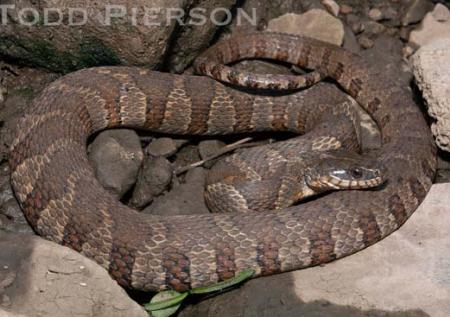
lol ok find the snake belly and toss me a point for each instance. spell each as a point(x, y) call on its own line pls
point(63, 201)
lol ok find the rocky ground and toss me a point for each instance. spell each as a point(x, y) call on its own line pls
point(405, 275)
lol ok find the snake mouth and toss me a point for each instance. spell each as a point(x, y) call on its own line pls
point(326, 183)
point(337, 183)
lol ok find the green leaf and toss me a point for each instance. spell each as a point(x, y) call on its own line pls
point(165, 304)
point(244, 275)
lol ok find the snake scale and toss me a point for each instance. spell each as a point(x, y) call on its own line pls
point(63, 201)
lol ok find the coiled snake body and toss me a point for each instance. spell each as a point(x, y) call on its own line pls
point(60, 197)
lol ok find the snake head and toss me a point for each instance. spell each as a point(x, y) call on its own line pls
point(339, 170)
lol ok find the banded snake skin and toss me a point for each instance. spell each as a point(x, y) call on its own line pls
point(63, 201)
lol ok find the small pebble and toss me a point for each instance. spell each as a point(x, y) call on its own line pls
point(375, 14)
point(390, 14)
point(355, 23)
point(407, 51)
point(346, 9)
point(164, 147)
point(332, 7)
point(373, 28)
point(365, 42)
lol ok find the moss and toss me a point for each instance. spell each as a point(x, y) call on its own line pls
point(43, 53)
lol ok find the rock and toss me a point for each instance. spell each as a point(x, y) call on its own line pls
point(406, 274)
point(415, 10)
point(315, 23)
point(431, 66)
point(375, 14)
point(355, 23)
point(164, 147)
point(154, 178)
point(373, 28)
point(346, 9)
point(141, 32)
point(186, 156)
point(350, 41)
point(441, 13)
point(22, 84)
point(387, 56)
point(116, 156)
point(312, 4)
point(12, 218)
point(365, 42)
point(408, 51)
point(209, 148)
point(390, 14)
point(185, 199)
point(193, 39)
point(41, 278)
point(267, 10)
point(429, 30)
point(332, 7)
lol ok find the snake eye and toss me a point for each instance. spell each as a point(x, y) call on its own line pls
point(356, 173)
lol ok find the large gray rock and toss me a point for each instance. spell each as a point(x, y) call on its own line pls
point(406, 274)
point(12, 218)
point(184, 199)
point(41, 278)
point(431, 65)
point(128, 37)
point(315, 23)
point(435, 26)
point(116, 156)
point(153, 179)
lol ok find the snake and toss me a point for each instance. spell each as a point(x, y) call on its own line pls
point(62, 200)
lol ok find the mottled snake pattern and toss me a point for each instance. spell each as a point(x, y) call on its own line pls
point(63, 201)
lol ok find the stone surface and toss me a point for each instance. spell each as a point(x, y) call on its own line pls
point(431, 65)
point(376, 14)
point(373, 28)
point(315, 23)
point(209, 148)
point(12, 218)
point(185, 156)
point(116, 156)
point(39, 278)
point(192, 39)
point(332, 7)
point(162, 147)
point(429, 31)
point(346, 9)
point(387, 56)
point(127, 38)
point(184, 199)
point(441, 13)
point(365, 42)
point(154, 178)
point(415, 10)
point(350, 40)
point(405, 275)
